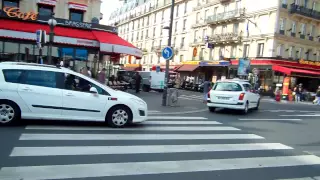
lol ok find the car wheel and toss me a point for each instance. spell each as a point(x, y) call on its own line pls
point(246, 108)
point(119, 116)
point(9, 113)
point(212, 109)
point(258, 104)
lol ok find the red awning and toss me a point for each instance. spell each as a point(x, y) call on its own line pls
point(113, 43)
point(63, 35)
point(289, 71)
point(187, 68)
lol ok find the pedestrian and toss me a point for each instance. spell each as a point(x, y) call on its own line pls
point(298, 93)
point(318, 96)
point(206, 89)
point(138, 79)
point(102, 76)
point(89, 72)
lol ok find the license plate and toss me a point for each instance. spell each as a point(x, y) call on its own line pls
point(224, 98)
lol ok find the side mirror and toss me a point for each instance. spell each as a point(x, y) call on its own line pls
point(93, 90)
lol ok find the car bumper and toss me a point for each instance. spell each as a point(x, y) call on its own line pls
point(238, 106)
point(140, 114)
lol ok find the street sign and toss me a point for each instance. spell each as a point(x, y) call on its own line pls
point(38, 37)
point(167, 53)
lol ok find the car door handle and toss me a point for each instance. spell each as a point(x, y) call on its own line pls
point(69, 94)
point(26, 89)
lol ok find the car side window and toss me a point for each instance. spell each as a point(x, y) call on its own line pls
point(40, 78)
point(247, 87)
point(13, 75)
point(76, 83)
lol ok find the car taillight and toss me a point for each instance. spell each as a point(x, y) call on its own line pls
point(209, 94)
point(241, 96)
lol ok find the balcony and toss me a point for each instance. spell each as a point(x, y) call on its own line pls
point(197, 42)
point(199, 24)
point(226, 38)
point(226, 16)
point(303, 11)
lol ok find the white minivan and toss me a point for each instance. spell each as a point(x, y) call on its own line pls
point(35, 91)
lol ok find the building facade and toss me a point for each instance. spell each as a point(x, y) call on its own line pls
point(207, 33)
point(79, 40)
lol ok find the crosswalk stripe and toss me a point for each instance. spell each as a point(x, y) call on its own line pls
point(302, 115)
point(155, 167)
point(176, 117)
point(153, 128)
point(258, 119)
point(181, 123)
point(136, 136)
point(190, 99)
point(94, 150)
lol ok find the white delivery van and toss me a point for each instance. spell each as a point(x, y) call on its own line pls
point(152, 80)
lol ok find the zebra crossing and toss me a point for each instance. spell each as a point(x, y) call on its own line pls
point(161, 146)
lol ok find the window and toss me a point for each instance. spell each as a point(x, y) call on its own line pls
point(147, 33)
point(184, 24)
point(224, 29)
point(185, 7)
point(204, 33)
point(155, 18)
point(303, 29)
point(75, 83)
point(12, 75)
point(162, 15)
point(177, 12)
point(293, 27)
point(247, 87)
point(154, 32)
point(227, 86)
point(182, 42)
point(40, 78)
point(206, 13)
point(300, 53)
point(181, 58)
point(141, 35)
point(161, 30)
point(238, 5)
point(312, 29)
point(10, 3)
point(147, 20)
point(282, 24)
point(176, 26)
point(260, 50)
point(45, 10)
point(246, 50)
point(291, 49)
point(233, 51)
point(198, 17)
point(236, 28)
point(137, 37)
point(76, 15)
point(174, 42)
point(280, 50)
point(195, 36)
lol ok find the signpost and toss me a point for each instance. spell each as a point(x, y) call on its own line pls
point(40, 39)
point(167, 53)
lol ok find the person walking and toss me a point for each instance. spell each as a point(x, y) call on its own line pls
point(206, 89)
point(138, 79)
point(298, 93)
point(102, 76)
point(318, 96)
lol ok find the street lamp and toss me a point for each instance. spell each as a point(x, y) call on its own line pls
point(165, 92)
point(52, 23)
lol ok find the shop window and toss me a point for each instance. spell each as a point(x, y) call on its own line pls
point(76, 15)
point(45, 10)
point(1, 46)
point(246, 49)
point(10, 3)
point(26, 52)
point(10, 47)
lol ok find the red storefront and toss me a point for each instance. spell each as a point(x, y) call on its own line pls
point(273, 71)
point(18, 40)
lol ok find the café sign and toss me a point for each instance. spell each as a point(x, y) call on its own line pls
point(15, 12)
point(314, 63)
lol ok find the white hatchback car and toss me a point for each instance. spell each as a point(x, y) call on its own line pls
point(233, 94)
point(35, 91)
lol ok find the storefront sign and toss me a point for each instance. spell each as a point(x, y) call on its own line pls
point(191, 62)
point(15, 12)
point(214, 63)
point(132, 65)
point(314, 63)
point(77, 24)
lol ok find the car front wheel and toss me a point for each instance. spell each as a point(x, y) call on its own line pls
point(119, 116)
point(212, 109)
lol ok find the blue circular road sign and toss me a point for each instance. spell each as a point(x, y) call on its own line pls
point(167, 53)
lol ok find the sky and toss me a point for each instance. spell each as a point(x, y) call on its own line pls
point(107, 7)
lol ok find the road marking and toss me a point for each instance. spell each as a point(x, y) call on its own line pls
point(181, 122)
point(151, 128)
point(155, 167)
point(302, 115)
point(176, 117)
point(270, 119)
point(304, 178)
point(136, 136)
point(94, 150)
point(192, 99)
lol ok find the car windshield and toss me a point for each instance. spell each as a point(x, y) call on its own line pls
point(227, 86)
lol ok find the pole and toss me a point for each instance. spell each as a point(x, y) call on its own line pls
point(166, 79)
point(50, 45)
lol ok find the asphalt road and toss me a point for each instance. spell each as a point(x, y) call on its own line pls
point(279, 141)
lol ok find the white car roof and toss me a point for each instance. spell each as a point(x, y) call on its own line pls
point(33, 66)
point(236, 80)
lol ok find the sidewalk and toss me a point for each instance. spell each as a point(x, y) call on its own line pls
point(154, 101)
point(269, 99)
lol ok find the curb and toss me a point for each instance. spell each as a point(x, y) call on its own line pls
point(174, 113)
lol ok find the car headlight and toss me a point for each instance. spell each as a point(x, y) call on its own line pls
point(139, 101)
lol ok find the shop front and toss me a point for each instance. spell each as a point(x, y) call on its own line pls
point(214, 70)
point(272, 73)
point(77, 44)
point(132, 67)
